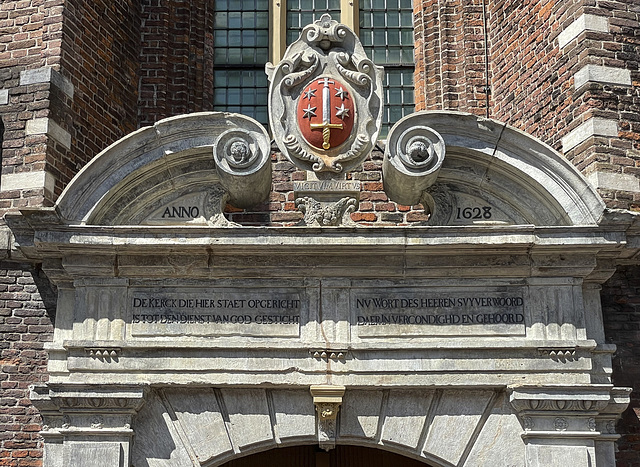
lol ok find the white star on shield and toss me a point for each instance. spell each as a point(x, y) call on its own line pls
point(342, 112)
point(341, 93)
point(309, 112)
point(309, 93)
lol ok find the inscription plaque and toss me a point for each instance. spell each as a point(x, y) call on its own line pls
point(415, 312)
point(209, 312)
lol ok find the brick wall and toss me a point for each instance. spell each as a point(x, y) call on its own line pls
point(25, 325)
point(524, 55)
point(68, 76)
point(176, 58)
point(450, 56)
point(99, 56)
point(534, 75)
point(31, 38)
point(617, 49)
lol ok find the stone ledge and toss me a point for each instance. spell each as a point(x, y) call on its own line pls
point(27, 181)
point(585, 22)
point(47, 75)
point(49, 127)
point(602, 74)
point(595, 126)
point(614, 181)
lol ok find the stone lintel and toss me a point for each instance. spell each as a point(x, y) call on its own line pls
point(586, 22)
point(602, 74)
point(595, 126)
point(48, 126)
point(47, 75)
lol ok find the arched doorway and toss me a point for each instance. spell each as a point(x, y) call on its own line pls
point(312, 456)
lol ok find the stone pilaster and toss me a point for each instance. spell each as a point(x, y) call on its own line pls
point(569, 425)
point(87, 424)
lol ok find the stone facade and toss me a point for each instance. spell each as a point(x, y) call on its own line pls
point(69, 89)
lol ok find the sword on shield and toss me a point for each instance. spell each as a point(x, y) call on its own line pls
point(326, 124)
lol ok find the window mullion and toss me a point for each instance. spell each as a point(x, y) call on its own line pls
point(349, 11)
point(277, 30)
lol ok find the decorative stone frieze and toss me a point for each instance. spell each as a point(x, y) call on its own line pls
point(562, 354)
point(106, 354)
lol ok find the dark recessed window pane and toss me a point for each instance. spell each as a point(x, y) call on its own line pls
point(234, 37)
point(386, 31)
point(303, 12)
point(248, 20)
point(235, 20)
point(406, 18)
point(241, 48)
point(221, 20)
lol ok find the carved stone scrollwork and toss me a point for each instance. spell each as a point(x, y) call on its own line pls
point(242, 157)
point(412, 160)
point(321, 214)
point(438, 202)
point(325, 99)
point(327, 400)
point(214, 205)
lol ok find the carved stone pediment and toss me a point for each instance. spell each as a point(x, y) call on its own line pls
point(325, 99)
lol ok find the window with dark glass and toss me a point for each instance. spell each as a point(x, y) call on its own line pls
point(241, 50)
point(303, 12)
point(242, 42)
point(386, 32)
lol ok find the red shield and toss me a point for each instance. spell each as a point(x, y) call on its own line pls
point(325, 113)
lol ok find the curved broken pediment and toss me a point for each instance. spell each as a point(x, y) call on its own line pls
point(492, 174)
point(181, 170)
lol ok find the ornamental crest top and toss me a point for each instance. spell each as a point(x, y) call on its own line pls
point(325, 99)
